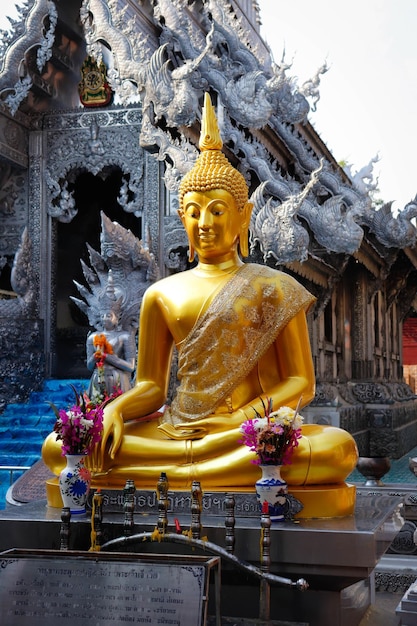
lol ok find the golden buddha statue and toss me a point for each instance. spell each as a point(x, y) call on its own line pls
point(242, 337)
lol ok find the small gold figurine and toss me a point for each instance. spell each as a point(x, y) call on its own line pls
point(94, 88)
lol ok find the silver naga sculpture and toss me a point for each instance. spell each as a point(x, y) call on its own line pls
point(14, 63)
point(363, 179)
point(117, 280)
point(22, 301)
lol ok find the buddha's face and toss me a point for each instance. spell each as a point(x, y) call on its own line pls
point(212, 222)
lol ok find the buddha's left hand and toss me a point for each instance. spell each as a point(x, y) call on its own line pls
point(205, 426)
point(182, 431)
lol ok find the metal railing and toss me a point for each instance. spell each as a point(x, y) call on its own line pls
point(12, 469)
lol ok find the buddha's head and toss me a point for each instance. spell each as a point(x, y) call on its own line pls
point(213, 172)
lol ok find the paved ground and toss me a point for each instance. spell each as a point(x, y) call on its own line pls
point(382, 613)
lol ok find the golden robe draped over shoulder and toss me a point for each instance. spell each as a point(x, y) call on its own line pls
point(227, 341)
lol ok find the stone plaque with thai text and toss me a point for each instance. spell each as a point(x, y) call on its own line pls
point(100, 589)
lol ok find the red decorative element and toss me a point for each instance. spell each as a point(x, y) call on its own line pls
point(410, 341)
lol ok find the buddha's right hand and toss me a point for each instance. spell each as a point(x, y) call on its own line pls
point(111, 438)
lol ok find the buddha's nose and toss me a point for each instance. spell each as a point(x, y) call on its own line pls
point(206, 219)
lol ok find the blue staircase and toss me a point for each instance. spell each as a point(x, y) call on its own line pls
point(23, 427)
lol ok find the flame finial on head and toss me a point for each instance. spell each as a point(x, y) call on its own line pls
point(212, 170)
point(210, 138)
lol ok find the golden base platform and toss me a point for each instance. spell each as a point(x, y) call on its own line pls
point(320, 501)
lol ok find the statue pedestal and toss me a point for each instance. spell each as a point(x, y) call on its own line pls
point(336, 556)
point(317, 501)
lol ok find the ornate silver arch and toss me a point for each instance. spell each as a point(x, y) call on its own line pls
point(91, 141)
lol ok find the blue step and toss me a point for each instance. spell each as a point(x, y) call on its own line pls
point(19, 459)
point(29, 409)
point(23, 427)
point(26, 421)
point(21, 446)
point(10, 434)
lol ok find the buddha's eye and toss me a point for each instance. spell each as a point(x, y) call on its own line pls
point(192, 211)
point(217, 209)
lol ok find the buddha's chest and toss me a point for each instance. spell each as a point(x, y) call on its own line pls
point(185, 306)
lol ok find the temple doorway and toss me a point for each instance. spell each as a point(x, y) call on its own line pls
point(92, 195)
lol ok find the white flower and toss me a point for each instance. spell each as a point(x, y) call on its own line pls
point(72, 416)
point(86, 423)
point(285, 416)
point(259, 423)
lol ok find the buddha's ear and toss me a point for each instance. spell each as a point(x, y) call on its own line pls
point(191, 252)
point(246, 214)
point(244, 229)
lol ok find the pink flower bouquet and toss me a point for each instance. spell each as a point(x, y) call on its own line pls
point(273, 436)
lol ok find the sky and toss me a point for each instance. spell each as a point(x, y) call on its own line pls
point(368, 97)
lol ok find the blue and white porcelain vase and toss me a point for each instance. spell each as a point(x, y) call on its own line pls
point(271, 488)
point(74, 483)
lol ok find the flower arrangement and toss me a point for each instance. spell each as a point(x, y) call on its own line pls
point(103, 347)
point(79, 427)
point(274, 435)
